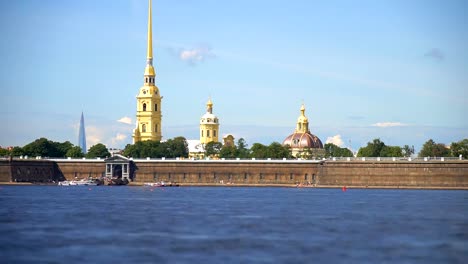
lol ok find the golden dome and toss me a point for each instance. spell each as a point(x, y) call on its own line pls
point(149, 70)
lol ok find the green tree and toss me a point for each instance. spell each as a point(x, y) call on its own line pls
point(98, 151)
point(62, 148)
point(391, 151)
point(143, 149)
point(47, 148)
point(242, 150)
point(177, 147)
point(75, 152)
point(432, 149)
point(4, 152)
point(131, 150)
point(259, 151)
point(41, 147)
point(408, 151)
point(228, 152)
point(213, 149)
point(372, 149)
point(17, 151)
point(459, 148)
point(277, 151)
point(332, 150)
point(172, 148)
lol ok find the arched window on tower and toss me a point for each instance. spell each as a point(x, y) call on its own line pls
point(155, 107)
point(202, 133)
point(208, 133)
point(214, 133)
point(143, 128)
point(144, 106)
point(146, 80)
point(156, 128)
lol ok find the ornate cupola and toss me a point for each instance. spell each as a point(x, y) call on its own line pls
point(209, 125)
point(148, 117)
point(302, 122)
point(302, 139)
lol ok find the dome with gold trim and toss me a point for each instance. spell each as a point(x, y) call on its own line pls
point(302, 138)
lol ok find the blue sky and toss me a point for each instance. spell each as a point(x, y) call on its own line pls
point(397, 70)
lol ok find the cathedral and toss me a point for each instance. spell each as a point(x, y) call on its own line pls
point(209, 132)
point(148, 117)
point(302, 142)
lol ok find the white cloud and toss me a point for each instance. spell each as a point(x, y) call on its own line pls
point(389, 124)
point(337, 140)
point(125, 120)
point(195, 55)
point(118, 138)
point(93, 136)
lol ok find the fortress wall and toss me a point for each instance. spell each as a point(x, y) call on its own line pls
point(5, 171)
point(395, 174)
point(234, 172)
point(80, 169)
point(27, 171)
point(450, 174)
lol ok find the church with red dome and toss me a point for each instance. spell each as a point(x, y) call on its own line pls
point(302, 142)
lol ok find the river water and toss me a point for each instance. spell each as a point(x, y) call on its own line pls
point(123, 224)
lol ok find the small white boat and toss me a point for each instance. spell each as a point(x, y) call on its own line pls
point(161, 184)
point(154, 184)
point(78, 183)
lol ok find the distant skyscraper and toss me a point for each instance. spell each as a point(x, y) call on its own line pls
point(82, 135)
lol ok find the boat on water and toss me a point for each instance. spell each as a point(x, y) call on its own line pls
point(79, 183)
point(161, 184)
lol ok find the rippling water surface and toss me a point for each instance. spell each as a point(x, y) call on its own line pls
point(122, 224)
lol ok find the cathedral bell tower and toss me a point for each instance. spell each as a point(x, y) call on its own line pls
point(209, 125)
point(148, 117)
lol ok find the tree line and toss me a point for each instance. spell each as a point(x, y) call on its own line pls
point(178, 147)
point(378, 148)
point(44, 147)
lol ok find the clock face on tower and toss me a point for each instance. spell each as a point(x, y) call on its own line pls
point(144, 91)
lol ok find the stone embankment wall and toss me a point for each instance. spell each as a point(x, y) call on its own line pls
point(432, 174)
point(80, 169)
point(5, 171)
point(394, 174)
point(242, 172)
point(28, 171)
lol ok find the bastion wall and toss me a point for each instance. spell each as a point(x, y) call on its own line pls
point(394, 174)
point(241, 172)
point(433, 174)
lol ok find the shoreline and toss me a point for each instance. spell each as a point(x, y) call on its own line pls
point(134, 184)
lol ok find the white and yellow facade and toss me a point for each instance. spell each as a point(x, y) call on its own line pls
point(209, 125)
point(148, 117)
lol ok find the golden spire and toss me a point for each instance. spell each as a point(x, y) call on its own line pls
point(149, 54)
point(209, 106)
point(149, 70)
point(303, 109)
